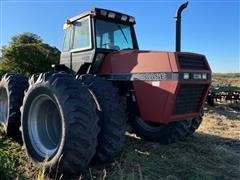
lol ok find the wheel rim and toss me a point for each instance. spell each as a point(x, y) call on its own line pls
point(44, 126)
point(3, 105)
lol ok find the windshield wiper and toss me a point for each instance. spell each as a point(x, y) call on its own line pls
point(122, 32)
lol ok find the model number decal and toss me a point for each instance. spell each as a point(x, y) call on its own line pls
point(149, 76)
point(143, 76)
point(163, 76)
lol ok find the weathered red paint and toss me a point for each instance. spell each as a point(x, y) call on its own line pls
point(136, 62)
point(155, 103)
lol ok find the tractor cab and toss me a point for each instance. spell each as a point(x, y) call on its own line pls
point(93, 34)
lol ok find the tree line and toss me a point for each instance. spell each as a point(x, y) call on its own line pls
point(26, 53)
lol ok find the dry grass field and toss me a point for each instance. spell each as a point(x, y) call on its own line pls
point(231, 79)
point(213, 153)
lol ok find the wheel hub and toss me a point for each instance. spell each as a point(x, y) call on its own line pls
point(44, 126)
point(3, 105)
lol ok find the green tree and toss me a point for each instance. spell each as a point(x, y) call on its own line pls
point(27, 54)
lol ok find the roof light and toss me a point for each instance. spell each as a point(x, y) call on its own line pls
point(103, 13)
point(131, 20)
point(124, 18)
point(186, 76)
point(111, 15)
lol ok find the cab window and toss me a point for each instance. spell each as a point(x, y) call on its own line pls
point(67, 39)
point(110, 35)
point(82, 34)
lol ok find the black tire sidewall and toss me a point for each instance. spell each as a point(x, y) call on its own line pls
point(165, 133)
point(159, 133)
point(15, 85)
point(31, 95)
point(111, 106)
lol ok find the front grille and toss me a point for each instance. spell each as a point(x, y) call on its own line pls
point(194, 63)
point(189, 99)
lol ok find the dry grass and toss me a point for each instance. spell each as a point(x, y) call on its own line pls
point(226, 79)
point(213, 152)
point(222, 121)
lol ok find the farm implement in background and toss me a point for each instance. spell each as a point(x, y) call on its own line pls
point(223, 94)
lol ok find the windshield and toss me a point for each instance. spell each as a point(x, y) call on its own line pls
point(111, 35)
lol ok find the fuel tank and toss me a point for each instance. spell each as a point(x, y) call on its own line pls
point(168, 86)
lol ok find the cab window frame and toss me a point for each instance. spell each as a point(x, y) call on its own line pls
point(90, 35)
point(132, 32)
point(68, 29)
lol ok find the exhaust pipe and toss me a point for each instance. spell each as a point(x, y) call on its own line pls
point(178, 26)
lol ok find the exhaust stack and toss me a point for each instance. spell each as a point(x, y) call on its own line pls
point(178, 26)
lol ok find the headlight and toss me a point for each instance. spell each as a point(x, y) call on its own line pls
point(204, 76)
point(197, 76)
point(186, 75)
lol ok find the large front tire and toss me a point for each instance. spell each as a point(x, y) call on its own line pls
point(59, 124)
point(12, 87)
point(166, 133)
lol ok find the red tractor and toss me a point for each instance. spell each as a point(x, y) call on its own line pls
point(77, 113)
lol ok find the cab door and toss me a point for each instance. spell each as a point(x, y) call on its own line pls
point(82, 45)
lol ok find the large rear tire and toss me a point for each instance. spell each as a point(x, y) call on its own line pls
point(59, 124)
point(112, 118)
point(12, 87)
point(166, 133)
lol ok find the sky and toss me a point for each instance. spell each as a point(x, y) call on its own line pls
point(209, 27)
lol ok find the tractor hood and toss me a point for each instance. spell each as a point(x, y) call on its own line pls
point(133, 61)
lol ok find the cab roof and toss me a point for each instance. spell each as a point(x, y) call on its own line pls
point(104, 14)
